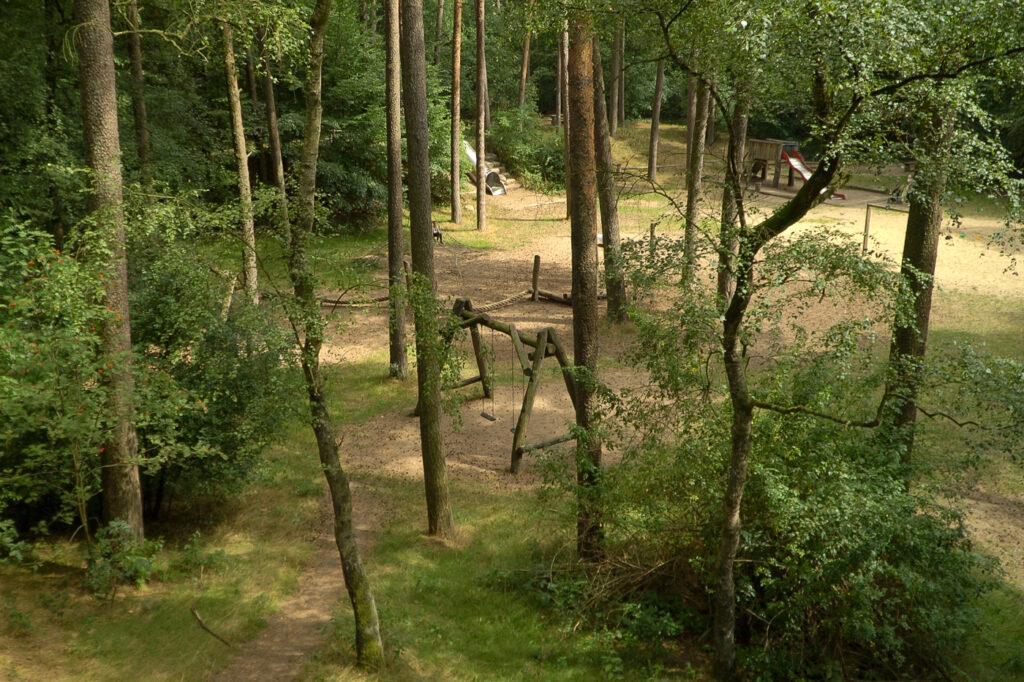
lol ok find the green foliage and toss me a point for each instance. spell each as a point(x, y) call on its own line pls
point(117, 558)
point(531, 151)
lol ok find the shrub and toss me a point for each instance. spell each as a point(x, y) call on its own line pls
point(531, 151)
point(117, 558)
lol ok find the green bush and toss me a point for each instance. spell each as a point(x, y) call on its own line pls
point(117, 558)
point(530, 150)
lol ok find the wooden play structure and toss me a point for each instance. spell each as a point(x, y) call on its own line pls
point(770, 152)
point(545, 344)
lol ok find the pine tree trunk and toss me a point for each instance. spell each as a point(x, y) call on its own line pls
point(307, 318)
point(524, 70)
point(709, 128)
point(612, 111)
point(694, 189)
point(398, 365)
point(652, 149)
point(456, 107)
point(119, 476)
point(621, 115)
point(428, 349)
point(481, 122)
point(142, 141)
point(566, 122)
point(242, 161)
point(559, 66)
point(614, 284)
point(691, 111)
point(589, 532)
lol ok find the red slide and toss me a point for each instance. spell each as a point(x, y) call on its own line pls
point(796, 162)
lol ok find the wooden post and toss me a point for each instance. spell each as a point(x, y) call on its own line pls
point(563, 362)
point(867, 230)
point(517, 344)
point(536, 274)
point(531, 392)
point(481, 361)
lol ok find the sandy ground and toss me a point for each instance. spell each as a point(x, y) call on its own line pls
point(481, 449)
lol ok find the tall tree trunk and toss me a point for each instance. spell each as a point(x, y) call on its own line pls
point(920, 254)
point(614, 284)
point(54, 28)
point(616, 69)
point(242, 161)
point(262, 169)
point(709, 128)
point(428, 349)
point(732, 193)
point(559, 67)
point(274, 136)
point(438, 32)
point(567, 123)
point(621, 114)
point(487, 94)
point(456, 106)
point(142, 141)
point(398, 365)
point(589, 532)
point(691, 110)
point(119, 476)
point(481, 120)
point(306, 317)
point(524, 69)
point(652, 148)
point(694, 189)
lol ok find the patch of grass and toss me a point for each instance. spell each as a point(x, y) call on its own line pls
point(994, 653)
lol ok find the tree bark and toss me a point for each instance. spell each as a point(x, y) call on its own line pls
point(259, 143)
point(139, 116)
point(481, 121)
point(307, 318)
point(558, 83)
point(652, 149)
point(621, 114)
point(398, 365)
point(691, 110)
point(438, 31)
point(456, 106)
point(589, 532)
point(524, 69)
point(614, 284)
point(732, 193)
point(274, 136)
point(920, 254)
point(709, 128)
point(616, 71)
point(119, 476)
point(242, 161)
point(428, 348)
point(694, 189)
point(566, 122)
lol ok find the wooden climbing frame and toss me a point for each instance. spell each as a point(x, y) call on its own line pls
point(546, 344)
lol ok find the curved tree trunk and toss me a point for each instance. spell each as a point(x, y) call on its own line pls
point(119, 476)
point(456, 107)
point(589, 532)
point(306, 317)
point(481, 120)
point(694, 189)
point(242, 161)
point(428, 349)
point(614, 284)
point(398, 365)
point(732, 193)
point(141, 119)
point(652, 148)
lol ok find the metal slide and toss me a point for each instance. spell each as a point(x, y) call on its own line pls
point(493, 183)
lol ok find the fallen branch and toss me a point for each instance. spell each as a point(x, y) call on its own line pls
point(204, 626)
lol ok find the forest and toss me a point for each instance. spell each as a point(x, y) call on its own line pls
point(511, 339)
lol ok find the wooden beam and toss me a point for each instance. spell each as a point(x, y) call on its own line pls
point(528, 397)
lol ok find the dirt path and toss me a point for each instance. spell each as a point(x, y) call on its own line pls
point(525, 224)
